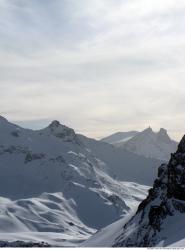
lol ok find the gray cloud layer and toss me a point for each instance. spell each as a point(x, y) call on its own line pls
point(99, 65)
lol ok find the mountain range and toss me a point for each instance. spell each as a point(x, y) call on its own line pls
point(59, 187)
point(160, 218)
point(147, 143)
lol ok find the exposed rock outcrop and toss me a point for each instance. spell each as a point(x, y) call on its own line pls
point(166, 199)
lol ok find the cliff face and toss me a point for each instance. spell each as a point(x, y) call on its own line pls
point(162, 209)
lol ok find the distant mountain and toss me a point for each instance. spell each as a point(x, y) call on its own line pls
point(151, 144)
point(56, 181)
point(119, 137)
point(148, 143)
point(121, 164)
point(160, 218)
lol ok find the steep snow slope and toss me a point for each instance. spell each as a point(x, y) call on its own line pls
point(121, 164)
point(151, 144)
point(106, 236)
point(119, 137)
point(160, 218)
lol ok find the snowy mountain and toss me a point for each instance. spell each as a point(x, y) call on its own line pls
point(119, 137)
point(150, 144)
point(54, 160)
point(54, 182)
point(160, 218)
point(121, 164)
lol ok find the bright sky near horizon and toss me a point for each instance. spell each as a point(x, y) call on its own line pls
point(99, 66)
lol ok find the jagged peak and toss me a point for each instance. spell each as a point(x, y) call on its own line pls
point(55, 128)
point(163, 135)
point(181, 146)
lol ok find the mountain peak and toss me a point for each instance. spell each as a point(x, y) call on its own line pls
point(163, 136)
point(162, 131)
point(61, 131)
point(54, 124)
point(151, 144)
point(181, 147)
point(148, 130)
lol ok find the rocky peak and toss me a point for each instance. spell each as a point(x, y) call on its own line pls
point(61, 131)
point(54, 124)
point(176, 173)
point(181, 147)
point(148, 130)
point(162, 131)
point(163, 136)
point(165, 199)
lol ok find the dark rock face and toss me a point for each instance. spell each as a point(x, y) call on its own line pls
point(176, 173)
point(19, 243)
point(54, 124)
point(166, 197)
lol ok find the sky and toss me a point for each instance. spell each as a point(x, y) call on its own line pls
point(98, 66)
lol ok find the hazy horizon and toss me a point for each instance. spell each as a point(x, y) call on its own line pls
point(98, 66)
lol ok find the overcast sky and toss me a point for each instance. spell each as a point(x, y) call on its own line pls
point(99, 66)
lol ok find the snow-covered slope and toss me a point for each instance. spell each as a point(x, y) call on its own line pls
point(51, 182)
point(54, 160)
point(151, 144)
point(47, 213)
point(119, 137)
point(121, 164)
point(160, 218)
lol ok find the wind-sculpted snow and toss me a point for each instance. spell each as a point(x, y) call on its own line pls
point(47, 213)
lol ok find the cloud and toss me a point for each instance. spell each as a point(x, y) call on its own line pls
point(99, 65)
